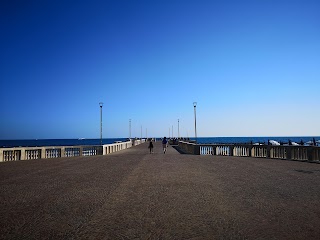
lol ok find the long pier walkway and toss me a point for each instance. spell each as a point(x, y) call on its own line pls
point(136, 195)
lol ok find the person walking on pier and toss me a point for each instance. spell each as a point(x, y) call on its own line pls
point(150, 146)
point(164, 144)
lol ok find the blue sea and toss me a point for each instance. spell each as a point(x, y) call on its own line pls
point(221, 140)
point(57, 142)
point(205, 140)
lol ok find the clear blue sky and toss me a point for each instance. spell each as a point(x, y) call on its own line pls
point(253, 67)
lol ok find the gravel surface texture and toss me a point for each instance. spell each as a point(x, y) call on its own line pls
point(136, 195)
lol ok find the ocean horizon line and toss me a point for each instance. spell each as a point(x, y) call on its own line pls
point(193, 137)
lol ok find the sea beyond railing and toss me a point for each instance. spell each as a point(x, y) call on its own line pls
point(29, 153)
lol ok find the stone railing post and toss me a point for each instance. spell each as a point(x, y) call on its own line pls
point(1, 156)
point(63, 151)
point(288, 152)
point(80, 151)
point(250, 147)
point(43, 153)
point(196, 149)
point(23, 154)
point(99, 150)
point(268, 151)
point(310, 154)
point(104, 150)
point(316, 154)
point(231, 147)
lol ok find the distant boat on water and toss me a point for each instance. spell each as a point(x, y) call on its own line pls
point(81, 138)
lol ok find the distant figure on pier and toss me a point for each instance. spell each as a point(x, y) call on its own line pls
point(150, 146)
point(164, 144)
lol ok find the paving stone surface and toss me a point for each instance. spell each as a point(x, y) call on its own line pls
point(136, 195)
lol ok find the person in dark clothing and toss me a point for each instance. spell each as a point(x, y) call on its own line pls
point(150, 146)
point(164, 144)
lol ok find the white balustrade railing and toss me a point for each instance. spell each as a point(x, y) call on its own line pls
point(53, 153)
point(33, 154)
point(301, 153)
point(11, 155)
point(72, 151)
point(223, 150)
point(89, 151)
point(278, 152)
point(206, 150)
point(241, 151)
point(316, 154)
point(29, 153)
point(259, 151)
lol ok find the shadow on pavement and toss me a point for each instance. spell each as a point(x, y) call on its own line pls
point(176, 147)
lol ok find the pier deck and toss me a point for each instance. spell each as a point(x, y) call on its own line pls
point(136, 195)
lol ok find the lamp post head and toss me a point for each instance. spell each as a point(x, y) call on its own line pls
point(101, 104)
point(194, 104)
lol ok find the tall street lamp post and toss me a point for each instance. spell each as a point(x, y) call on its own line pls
point(195, 120)
point(178, 130)
point(100, 104)
point(172, 131)
point(129, 128)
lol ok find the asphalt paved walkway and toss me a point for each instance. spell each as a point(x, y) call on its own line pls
point(136, 195)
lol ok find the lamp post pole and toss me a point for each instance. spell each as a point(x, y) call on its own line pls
point(172, 131)
point(100, 104)
point(129, 128)
point(195, 120)
point(178, 130)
